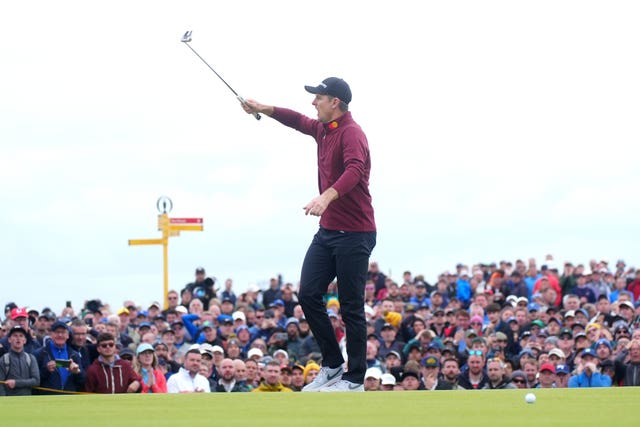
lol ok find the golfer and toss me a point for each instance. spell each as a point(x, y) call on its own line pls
point(347, 234)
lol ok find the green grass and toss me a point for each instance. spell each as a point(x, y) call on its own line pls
point(562, 407)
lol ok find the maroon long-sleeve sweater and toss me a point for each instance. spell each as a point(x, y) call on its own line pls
point(344, 163)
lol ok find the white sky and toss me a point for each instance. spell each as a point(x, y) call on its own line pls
point(498, 130)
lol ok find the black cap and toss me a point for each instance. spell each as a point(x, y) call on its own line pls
point(200, 270)
point(59, 324)
point(332, 86)
point(18, 328)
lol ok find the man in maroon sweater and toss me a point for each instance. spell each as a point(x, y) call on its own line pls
point(108, 373)
point(347, 234)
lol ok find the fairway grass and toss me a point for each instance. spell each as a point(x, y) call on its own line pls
point(561, 407)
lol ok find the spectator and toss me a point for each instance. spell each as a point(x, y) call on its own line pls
point(201, 288)
point(530, 368)
point(273, 293)
point(387, 382)
point(228, 292)
point(474, 378)
point(188, 379)
point(430, 372)
point(78, 342)
point(20, 317)
point(393, 360)
point(587, 373)
point(253, 373)
point(497, 379)
point(562, 375)
point(410, 380)
point(389, 341)
point(547, 376)
point(310, 372)
point(297, 377)
point(227, 382)
point(372, 379)
point(271, 382)
point(376, 276)
point(146, 365)
point(628, 364)
point(109, 373)
point(60, 366)
point(18, 368)
point(519, 379)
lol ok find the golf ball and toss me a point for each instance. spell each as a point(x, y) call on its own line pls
point(530, 398)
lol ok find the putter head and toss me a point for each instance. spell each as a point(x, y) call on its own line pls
point(186, 38)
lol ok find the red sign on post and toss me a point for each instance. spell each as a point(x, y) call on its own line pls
point(185, 220)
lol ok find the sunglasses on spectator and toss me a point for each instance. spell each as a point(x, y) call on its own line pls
point(475, 353)
point(476, 323)
point(518, 381)
point(107, 344)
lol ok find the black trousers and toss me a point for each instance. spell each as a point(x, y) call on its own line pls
point(345, 256)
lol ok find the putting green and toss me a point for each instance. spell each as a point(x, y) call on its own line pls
point(562, 407)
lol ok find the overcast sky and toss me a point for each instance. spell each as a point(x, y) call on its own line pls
point(497, 129)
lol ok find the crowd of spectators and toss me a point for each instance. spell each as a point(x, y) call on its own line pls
point(488, 326)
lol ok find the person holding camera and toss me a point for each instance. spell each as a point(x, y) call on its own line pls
point(60, 366)
point(202, 287)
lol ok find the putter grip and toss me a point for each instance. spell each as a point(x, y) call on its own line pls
point(256, 115)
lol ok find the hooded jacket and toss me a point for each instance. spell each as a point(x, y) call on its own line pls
point(110, 378)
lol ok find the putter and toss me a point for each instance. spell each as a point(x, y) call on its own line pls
point(186, 38)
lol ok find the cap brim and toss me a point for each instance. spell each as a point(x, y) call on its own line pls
point(316, 90)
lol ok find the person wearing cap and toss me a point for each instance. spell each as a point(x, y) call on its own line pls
point(430, 373)
point(20, 317)
point(372, 379)
point(109, 373)
point(587, 372)
point(387, 382)
point(297, 377)
point(547, 376)
point(201, 288)
point(519, 379)
point(347, 235)
point(189, 379)
point(146, 365)
point(18, 369)
point(563, 373)
point(60, 366)
point(389, 342)
point(410, 380)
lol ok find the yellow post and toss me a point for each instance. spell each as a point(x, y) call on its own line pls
point(163, 220)
point(170, 227)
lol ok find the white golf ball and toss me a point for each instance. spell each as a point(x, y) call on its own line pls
point(530, 398)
